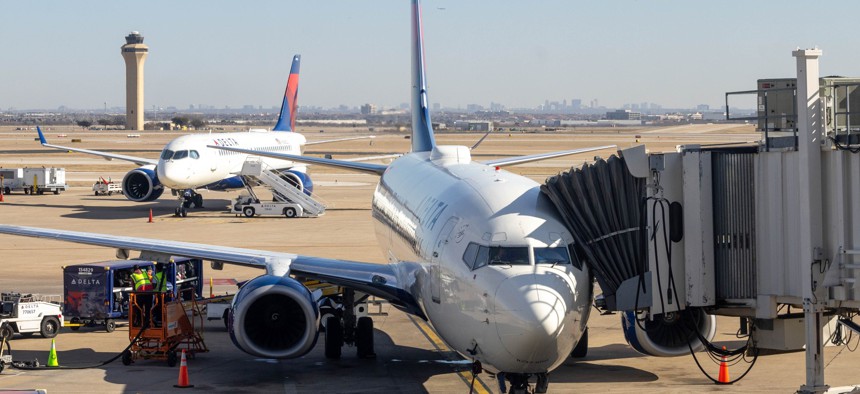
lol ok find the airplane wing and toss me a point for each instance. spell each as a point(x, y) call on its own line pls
point(339, 139)
point(382, 280)
point(108, 156)
point(509, 161)
point(376, 169)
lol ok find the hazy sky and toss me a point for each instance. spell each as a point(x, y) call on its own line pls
point(518, 53)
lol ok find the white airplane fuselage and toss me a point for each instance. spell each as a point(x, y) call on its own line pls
point(213, 165)
point(430, 206)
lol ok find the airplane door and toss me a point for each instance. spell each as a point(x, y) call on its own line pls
point(438, 266)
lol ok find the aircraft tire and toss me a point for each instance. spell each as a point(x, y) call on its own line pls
point(333, 338)
point(364, 338)
point(581, 348)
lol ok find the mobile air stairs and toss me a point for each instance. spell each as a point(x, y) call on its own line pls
point(288, 197)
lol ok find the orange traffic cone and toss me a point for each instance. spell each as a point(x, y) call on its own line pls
point(724, 371)
point(183, 373)
point(1, 196)
point(150, 215)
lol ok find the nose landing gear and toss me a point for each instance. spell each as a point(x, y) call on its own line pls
point(520, 382)
point(187, 198)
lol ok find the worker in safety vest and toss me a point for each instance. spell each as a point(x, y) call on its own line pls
point(140, 279)
point(143, 302)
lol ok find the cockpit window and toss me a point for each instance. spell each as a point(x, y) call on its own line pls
point(180, 154)
point(509, 255)
point(476, 256)
point(553, 256)
point(194, 155)
point(167, 154)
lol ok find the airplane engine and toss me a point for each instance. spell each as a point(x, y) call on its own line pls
point(274, 317)
point(668, 334)
point(300, 180)
point(142, 185)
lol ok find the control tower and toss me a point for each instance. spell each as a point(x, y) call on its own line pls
point(134, 52)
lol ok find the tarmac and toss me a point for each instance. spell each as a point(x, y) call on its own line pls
point(410, 357)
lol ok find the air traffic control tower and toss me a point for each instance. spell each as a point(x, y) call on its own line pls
point(134, 52)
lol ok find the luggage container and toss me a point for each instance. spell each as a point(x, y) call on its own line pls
point(97, 294)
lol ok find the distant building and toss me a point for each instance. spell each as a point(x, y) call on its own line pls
point(368, 109)
point(474, 125)
point(623, 114)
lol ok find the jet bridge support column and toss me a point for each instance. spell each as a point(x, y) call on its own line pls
point(810, 135)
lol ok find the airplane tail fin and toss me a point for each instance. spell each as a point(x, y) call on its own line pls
point(422, 129)
point(287, 119)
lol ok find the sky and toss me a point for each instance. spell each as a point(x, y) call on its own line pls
point(518, 53)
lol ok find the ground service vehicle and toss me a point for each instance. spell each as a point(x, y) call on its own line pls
point(105, 187)
point(34, 180)
point(28, 314)
point(249, 206)
point(98, 293)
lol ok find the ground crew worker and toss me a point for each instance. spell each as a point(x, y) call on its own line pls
point(144, 301)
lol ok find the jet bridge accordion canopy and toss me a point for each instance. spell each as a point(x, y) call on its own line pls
point(602, 206)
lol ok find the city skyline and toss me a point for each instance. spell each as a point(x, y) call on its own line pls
point(519, 55)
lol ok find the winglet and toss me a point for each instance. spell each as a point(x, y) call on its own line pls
point(422, 128)
point(287, 119)
point(42, 139)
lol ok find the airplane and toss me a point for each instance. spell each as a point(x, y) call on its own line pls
point(187, 164)
point(478, 252)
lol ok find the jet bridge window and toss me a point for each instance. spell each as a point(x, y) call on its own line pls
point(180, 154)
point(553, 256)
point(166, 154)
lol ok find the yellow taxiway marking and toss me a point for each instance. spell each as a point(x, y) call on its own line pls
point(480, 386)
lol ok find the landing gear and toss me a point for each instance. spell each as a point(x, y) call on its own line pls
point(581, 348)
point(187, 198)
point(520, 382)
point(342, 327)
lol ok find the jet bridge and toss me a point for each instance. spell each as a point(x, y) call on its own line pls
point(761, 231)
point(282, 189)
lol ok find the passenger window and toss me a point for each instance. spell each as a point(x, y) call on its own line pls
point(194, 155)
point(167, 154)
point(552, 255)
point(180, 154)
point(516, 255)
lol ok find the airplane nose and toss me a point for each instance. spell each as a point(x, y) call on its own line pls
point(530, 318)
point(170, 175)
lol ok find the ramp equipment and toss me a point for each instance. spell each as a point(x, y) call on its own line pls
point(284, 191)
point(162, 326)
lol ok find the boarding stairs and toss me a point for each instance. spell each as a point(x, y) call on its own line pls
point(282, 190)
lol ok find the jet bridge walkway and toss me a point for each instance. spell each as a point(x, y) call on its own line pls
point(282, 190)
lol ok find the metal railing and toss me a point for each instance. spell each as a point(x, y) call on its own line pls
point(763, 108)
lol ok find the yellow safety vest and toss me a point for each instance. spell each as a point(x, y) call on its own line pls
point(141, 282)
point(159, 281)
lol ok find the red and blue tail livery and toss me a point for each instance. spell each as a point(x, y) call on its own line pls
point(287, 119)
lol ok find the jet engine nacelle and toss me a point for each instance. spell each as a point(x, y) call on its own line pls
point(142, 184)
point(274, 317)
point(300, 180)
point(668, 334)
